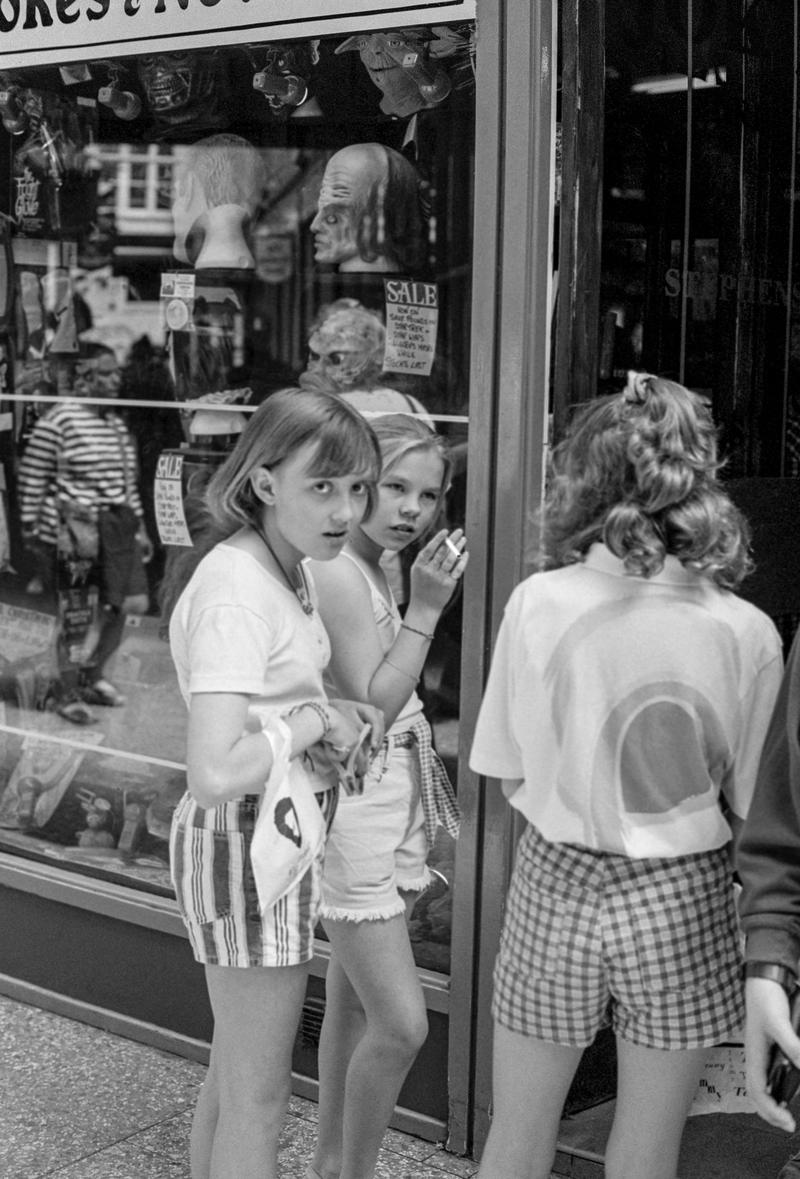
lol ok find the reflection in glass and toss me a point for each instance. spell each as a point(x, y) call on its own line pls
point(206, 238)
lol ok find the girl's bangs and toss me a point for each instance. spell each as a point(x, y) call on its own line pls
point(344, 448)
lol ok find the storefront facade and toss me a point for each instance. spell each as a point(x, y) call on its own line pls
point(553, 193)
point(100, 155)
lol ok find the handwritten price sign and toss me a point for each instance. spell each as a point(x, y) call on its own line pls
point(722, 1087)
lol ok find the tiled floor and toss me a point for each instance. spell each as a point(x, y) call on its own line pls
point(80, 1103)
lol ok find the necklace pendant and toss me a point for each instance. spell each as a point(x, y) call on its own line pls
point(307, 604)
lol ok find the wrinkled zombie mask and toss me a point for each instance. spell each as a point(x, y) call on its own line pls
point(369, 214)
point(345, 348)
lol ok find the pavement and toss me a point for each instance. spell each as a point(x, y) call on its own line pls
point(80, 1103)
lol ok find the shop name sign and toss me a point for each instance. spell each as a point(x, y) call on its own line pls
point(58, 32)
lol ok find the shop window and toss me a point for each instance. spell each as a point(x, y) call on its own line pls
point(699, 272)
point(170, 215)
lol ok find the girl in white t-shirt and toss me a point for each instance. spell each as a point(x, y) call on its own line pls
point(250, 651)
point(628, 699)
point(375, 862)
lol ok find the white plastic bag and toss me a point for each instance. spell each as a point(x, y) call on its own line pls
point(290, 829)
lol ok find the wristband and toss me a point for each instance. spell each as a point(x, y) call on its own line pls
point(423, 634)
point(774, 971)
point(414, 678)
point(322, 713)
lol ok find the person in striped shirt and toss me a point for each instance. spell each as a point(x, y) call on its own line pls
point(80, 453)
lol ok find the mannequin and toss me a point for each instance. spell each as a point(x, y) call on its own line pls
point(217, 188)
point(369, 214)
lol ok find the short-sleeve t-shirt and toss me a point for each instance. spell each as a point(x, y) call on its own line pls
point(235, 628)
point(627, 705)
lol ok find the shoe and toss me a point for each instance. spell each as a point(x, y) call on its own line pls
point(104, 693)
point(77, 712)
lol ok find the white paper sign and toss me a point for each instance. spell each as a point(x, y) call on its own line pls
point(168, 501)
point(412, 320)
point(24, 632)
point(722, 1085)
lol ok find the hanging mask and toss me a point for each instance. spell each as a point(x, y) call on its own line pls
point(399, 64)
point(284, 78)
point(185, 92)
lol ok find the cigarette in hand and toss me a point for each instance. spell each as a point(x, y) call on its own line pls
point(454, 549)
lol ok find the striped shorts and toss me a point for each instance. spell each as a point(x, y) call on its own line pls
point(216, 890)
point(649, 947)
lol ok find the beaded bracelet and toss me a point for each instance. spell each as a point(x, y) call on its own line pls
point(414, 678)
point(322, 713)
point(423, 634)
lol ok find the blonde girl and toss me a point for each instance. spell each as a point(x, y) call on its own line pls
point(375, 1019)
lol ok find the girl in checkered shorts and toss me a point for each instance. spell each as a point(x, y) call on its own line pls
point(627, 703)
point(375, 861)
point(249, 650)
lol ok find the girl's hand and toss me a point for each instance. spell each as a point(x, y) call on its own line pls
point(354, 715)
point(438, 569)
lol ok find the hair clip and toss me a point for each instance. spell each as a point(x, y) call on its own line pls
point(635, 390)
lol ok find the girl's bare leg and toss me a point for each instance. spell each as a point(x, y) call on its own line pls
point(531, 1079)
point(256, 1013)
point(655, 1090)
point(204, 1123)
point(375, 1024)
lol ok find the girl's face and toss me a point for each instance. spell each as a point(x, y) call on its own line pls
point(315, 513)
point(409, 492)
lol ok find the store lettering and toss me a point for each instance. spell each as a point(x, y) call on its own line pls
point(419, 294)
point(33, 14)
point(27, 200)
point(169, 466)
point(766, 292)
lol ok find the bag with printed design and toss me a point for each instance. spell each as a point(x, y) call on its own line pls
point(290, 829)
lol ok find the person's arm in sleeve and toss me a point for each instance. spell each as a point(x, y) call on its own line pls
point(37, 472)
point(135, 498)
point(768, 862)
point(755, 715)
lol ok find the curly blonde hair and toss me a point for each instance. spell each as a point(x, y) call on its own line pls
point(638, 471)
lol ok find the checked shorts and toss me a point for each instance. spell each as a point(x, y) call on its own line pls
point(649, 946)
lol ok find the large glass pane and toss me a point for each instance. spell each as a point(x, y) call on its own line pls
point(699, 241)
point(174, 214)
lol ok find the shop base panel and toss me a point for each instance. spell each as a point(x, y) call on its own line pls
point(715, 1146)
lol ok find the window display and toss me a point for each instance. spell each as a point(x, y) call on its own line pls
point(186, 233)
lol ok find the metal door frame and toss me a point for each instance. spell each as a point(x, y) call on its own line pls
point(509, 392)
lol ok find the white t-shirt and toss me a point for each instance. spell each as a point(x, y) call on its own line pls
point(235, 628)
point(627, 705)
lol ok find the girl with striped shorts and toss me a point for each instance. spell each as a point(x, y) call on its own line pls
point(249, 650)
point(627, 703)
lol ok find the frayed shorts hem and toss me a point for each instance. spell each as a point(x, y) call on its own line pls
point(383, 913)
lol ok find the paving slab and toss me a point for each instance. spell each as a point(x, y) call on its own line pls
point(77, 1102)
